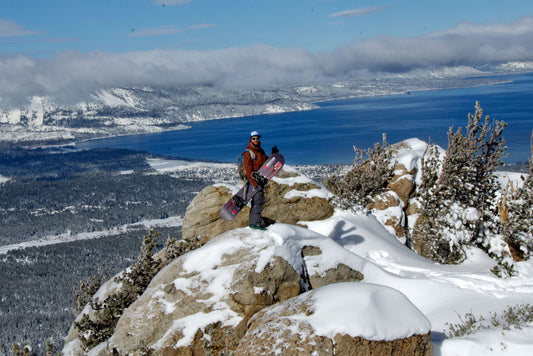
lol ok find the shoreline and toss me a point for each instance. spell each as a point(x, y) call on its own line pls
point(68, 136)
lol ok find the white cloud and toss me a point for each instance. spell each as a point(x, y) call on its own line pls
point(521, 26)
point(11, 29)
point(165, 30)
point(72, 75)
point(200, 26)
point(357, 12)
point(155, 31)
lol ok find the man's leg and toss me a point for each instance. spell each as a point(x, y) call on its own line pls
point(258, 203)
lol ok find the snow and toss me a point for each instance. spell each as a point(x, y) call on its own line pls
point(373, 307)
point(191, 324)
point(443, 293)
point(68, 236)
point(513, 178)
point(402, 293)
point(173, 165)
point(409, 152)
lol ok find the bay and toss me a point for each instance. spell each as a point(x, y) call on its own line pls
point(327, 135)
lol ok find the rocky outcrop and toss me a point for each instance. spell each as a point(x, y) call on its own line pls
point(202, 302)
point(199, 295)
point(290, 198)
point(244, 292)
point(202, 219)
point(395, 207)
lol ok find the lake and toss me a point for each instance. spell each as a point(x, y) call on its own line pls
point(328, 134)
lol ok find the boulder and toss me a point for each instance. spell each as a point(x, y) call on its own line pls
point(290, 198)
point(386, 200)
point(403, 186)
point(336, 274)
point(202, 220)
point(311, 324)
point(201, 301)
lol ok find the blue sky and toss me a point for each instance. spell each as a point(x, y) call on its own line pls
point(43, 28)
point(276, 42)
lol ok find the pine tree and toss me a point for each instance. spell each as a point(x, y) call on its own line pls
point(368, 177)
point(100, 326)
point(517, 208)
point(458, 191)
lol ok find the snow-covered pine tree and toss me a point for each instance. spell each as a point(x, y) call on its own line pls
point(518, 223)
point(101, 325)
point(459, 190)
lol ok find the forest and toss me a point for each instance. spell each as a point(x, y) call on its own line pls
point(57, 191)
point(62, 191)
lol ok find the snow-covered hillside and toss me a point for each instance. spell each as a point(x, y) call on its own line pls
point(443, 294)
point(121, 111)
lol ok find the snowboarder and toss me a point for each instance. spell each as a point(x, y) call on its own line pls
point(253, 158)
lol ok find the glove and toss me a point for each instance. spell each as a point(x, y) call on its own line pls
point(275, 149)
point(262, 181)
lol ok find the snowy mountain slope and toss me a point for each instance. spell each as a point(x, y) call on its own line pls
point(443, 294)
point(121, 111)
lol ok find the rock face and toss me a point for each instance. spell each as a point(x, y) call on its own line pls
point(290, 198)
point(202, 302)
point(202, 220)
point(199, 296)
point(337, 274)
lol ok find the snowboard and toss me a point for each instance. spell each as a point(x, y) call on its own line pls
point(268, 170)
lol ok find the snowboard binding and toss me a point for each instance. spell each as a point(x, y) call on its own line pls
point(238, 201)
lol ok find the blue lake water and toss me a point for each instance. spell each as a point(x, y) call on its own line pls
point(328, 134)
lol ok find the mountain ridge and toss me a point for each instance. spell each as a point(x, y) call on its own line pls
point(126, 111)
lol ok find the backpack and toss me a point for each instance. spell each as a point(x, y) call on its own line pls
point(240, 164)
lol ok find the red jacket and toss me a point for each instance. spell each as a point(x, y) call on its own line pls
point(252, 166)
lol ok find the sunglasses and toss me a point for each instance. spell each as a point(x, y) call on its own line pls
point(255, 138)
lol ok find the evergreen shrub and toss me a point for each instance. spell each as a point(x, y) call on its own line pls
point(367, 177)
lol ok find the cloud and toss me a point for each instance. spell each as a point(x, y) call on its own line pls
point(155, 31)
point(165, 30)
point(521, 26)
point(11, 29)
point(200, 26)
point(170, 2)
point(72, 75)
point(357, 12)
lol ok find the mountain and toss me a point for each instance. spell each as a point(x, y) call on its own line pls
point(123, 111)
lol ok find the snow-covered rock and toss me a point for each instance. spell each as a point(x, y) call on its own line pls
point(344, 284)
point(290, 198)
point(321, 322)
point(204, 299)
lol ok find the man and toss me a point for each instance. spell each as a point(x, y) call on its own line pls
point(252, 162)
